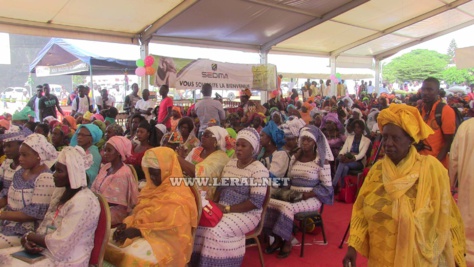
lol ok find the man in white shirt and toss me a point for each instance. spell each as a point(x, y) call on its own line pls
point(208, 108)
point(370, 88)
point(104, 101)
point(145, 105)
point(82, 103)
point(34, 102)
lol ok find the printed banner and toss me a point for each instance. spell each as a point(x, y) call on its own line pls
point(192, 74)
point(71, 67)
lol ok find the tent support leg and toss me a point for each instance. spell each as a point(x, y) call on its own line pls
point(377, 75)
point(143, 54)
point(263, 60)
point(333, 73)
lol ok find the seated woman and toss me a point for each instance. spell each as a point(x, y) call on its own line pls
point(404, 214)
point(86, 136)
point(184, 136)
point(115, 180)
point(207, 160)
point(292, 128)
point(30, 192)
point(60, 136)
point(224, 244)
point(131, 133)
point(113, 130)
point(158, 232)
point(12, 140)
point(352, 153)
point(310, 174)
point(71, 122)
point(271, 156)
point(138, 150)
point(66, 235)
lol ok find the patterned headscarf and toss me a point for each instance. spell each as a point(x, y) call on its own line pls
point(314, 133)
point(95, 131)
point(276, 134)
point(123, 146)
point(77, 161)
point(64, 129)
point(292, 126)
point(252, 136)
point(406, 117)
point(220, 134)
point(46, 151)
point(15, 133)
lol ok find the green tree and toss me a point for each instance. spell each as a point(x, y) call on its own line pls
point(458, 76)
point(452, 51)
point(77, 80)
point(416, 65)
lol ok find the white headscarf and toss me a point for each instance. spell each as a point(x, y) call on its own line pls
point(293, 126)
point(45, 150)
point(161, 127)
point(220, 135)
point(77, 161)
point(252, 136)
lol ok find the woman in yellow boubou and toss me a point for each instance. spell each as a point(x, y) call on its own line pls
point(158, 232)
point(405, 214)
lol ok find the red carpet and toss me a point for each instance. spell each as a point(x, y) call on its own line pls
point(336, 218)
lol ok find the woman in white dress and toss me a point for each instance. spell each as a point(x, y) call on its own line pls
point(224, 244)
point(30, 191)
point(67, 231)
point(310, 174)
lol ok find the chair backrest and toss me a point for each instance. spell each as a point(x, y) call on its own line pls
point(134, 172)
point(102, 233)
point(197, 198)
point(259, 227)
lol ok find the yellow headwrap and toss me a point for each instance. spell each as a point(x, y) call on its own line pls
point(406, 117)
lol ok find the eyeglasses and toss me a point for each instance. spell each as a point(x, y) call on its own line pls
point(83, 135)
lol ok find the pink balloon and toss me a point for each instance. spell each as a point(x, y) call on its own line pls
point(149, 60)
point(141, 71)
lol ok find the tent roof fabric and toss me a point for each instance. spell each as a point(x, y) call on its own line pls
point(360, 28)
point(59, 52)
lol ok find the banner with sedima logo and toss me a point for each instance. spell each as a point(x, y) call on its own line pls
point(192, 74)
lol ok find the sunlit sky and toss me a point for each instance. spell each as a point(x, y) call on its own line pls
point(284, 63)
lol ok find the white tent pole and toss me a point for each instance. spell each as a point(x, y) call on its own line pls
point(143, 54)
point(333, 72)
point(92, 84)
point(263, 60)
point(377, 75)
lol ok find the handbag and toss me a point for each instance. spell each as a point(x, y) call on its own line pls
point(287, 195)
point(211, 215)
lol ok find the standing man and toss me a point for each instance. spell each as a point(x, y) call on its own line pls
point(437, 144)
point(104, 100)
point(131, 100)
point(34, 102)
point(208, 108)
point(145, 106)
point(82, 103)
point(48, 104)
point(370, 88)
point(461, 165)
point(166, 104)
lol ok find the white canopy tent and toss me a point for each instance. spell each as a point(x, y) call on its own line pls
point(465, 57)
point(357, 30)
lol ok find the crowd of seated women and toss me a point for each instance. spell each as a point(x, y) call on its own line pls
point(51, 171)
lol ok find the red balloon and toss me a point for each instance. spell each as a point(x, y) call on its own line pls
point(149, 60)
